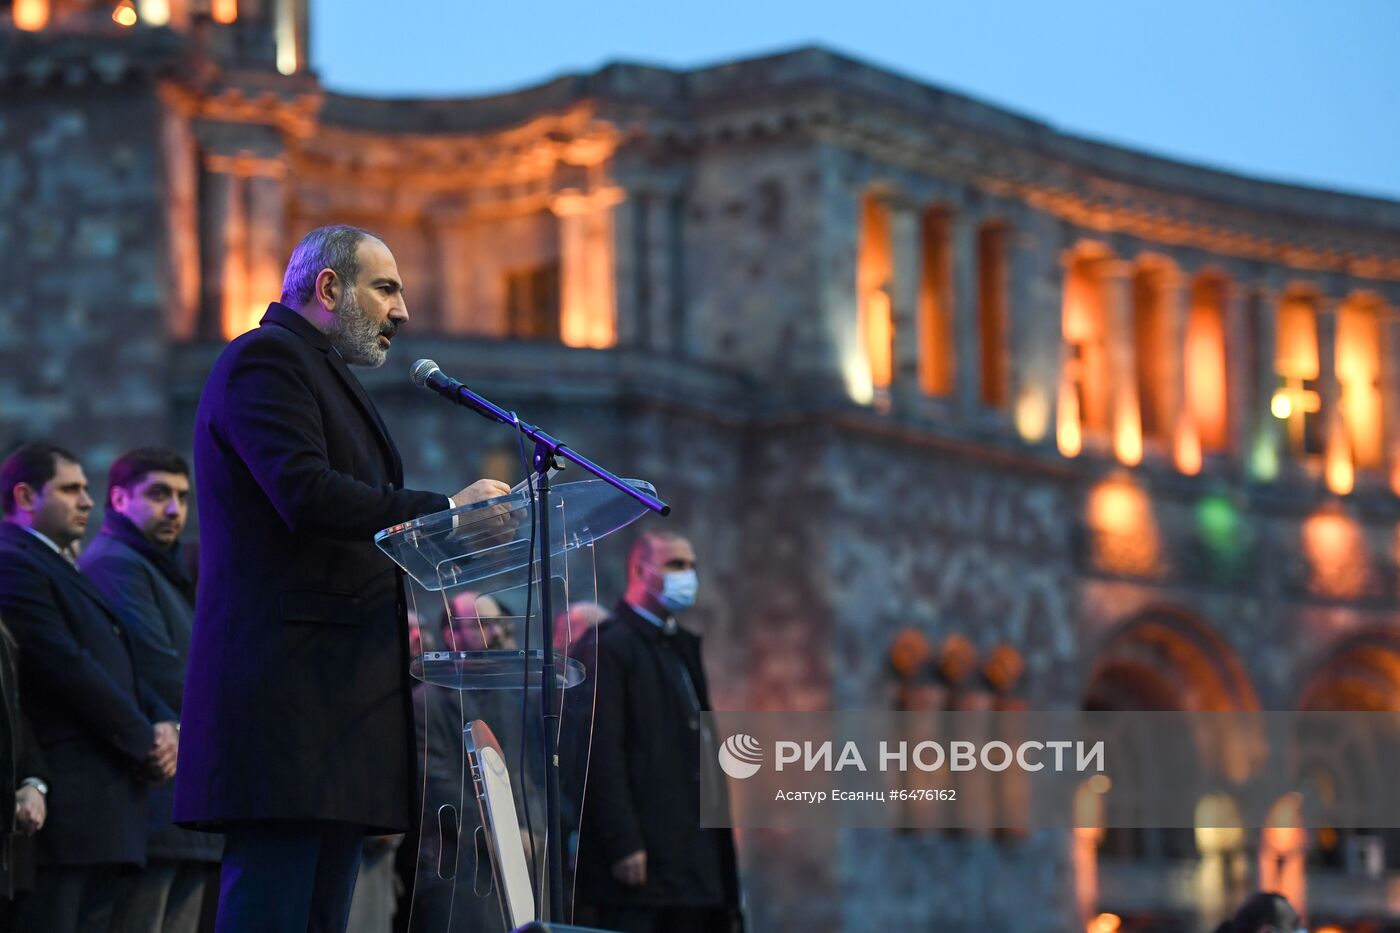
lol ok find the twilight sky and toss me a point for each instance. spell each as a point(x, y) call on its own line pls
point(1295, 90)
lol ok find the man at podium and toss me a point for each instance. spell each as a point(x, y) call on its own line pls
point(297, 736)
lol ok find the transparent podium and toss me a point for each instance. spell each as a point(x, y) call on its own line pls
point(483, 831)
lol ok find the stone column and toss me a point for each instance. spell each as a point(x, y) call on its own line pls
point(1184, 434)
point(827, 353)
point(1069, 419)
point(267, 256)
point(454, 276)
point(220, 207)
point(1267, 444)
point(588, 300)
point(1338, 466)
point(663, 292)
point(1116, 280)
point(234, 314)
point(1390, 393)
point(967, 336)
point(1034, 327)
point(1240, 385)
point(906, 249)
point(631, 240)
point(1046, 300)
point(224, 259)
point(180, 156)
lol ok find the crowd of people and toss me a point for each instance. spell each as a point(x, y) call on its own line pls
point(95, 655)
point(94, 659)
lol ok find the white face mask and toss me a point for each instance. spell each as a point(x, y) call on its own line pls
point(678, 588)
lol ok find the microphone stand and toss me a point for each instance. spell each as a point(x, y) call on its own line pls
point(548, 452)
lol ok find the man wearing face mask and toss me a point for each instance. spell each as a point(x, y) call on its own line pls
point(644, 863)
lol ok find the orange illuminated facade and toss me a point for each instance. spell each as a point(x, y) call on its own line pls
point(874, 281)
point(936, 349)
point(1087, 365)
point(1297, 366)
point(1359, 344)
point(1207, 383)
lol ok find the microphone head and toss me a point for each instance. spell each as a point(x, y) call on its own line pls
point(422, 370)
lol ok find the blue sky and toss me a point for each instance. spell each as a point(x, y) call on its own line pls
point(1295, 90)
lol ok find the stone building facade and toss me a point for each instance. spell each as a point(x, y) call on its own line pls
point(901, 361)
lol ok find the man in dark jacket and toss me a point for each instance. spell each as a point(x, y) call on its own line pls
point(644, 863)
point(137, 563)
point(23, 787)
point(296, 736)
point(80, 692)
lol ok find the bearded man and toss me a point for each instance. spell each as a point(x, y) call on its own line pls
point(297, 729)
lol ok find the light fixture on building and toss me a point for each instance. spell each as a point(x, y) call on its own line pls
point(153, 12)
point(1105, 923)
point(287, 62)
point(1281, 405)
point(224, 11)
point(31, 15)
point(124, 14)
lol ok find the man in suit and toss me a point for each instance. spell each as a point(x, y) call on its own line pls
point(298, 713)
point(23, 788)
point(644, 863)
point(137, 562)
point(80, 692)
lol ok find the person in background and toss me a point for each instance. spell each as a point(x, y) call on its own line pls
point(137, 562)
point(104, 739)
point(22, 791)
point(471, 622)
point(644, 864)
point(1264, 912)
point(573, 623)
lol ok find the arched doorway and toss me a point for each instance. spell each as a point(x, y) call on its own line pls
point(1165, 659)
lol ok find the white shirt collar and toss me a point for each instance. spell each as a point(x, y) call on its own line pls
point(668, 624)
point(46, 539)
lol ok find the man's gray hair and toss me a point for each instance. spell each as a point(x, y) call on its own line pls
point(332, 248)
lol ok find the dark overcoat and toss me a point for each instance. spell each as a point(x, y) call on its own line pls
point(79, 691)
point(643, 772)
point(158, 620)
point(297, 702)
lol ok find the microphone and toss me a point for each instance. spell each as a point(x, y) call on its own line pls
point(427, 374)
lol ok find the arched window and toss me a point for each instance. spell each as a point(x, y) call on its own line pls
point(1152, 342)
point(1359, 373)
point(1296, 401)
point(874, 280)
point(936, 304)
point(1207, 383)
point(992, 239)
point(1086, 397)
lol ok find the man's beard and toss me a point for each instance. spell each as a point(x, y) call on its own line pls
point(356, 335)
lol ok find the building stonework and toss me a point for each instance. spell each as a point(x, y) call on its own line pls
point(899, 360)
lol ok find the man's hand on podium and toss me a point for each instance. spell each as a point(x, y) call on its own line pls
point(491, 525)
point(480, 491)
